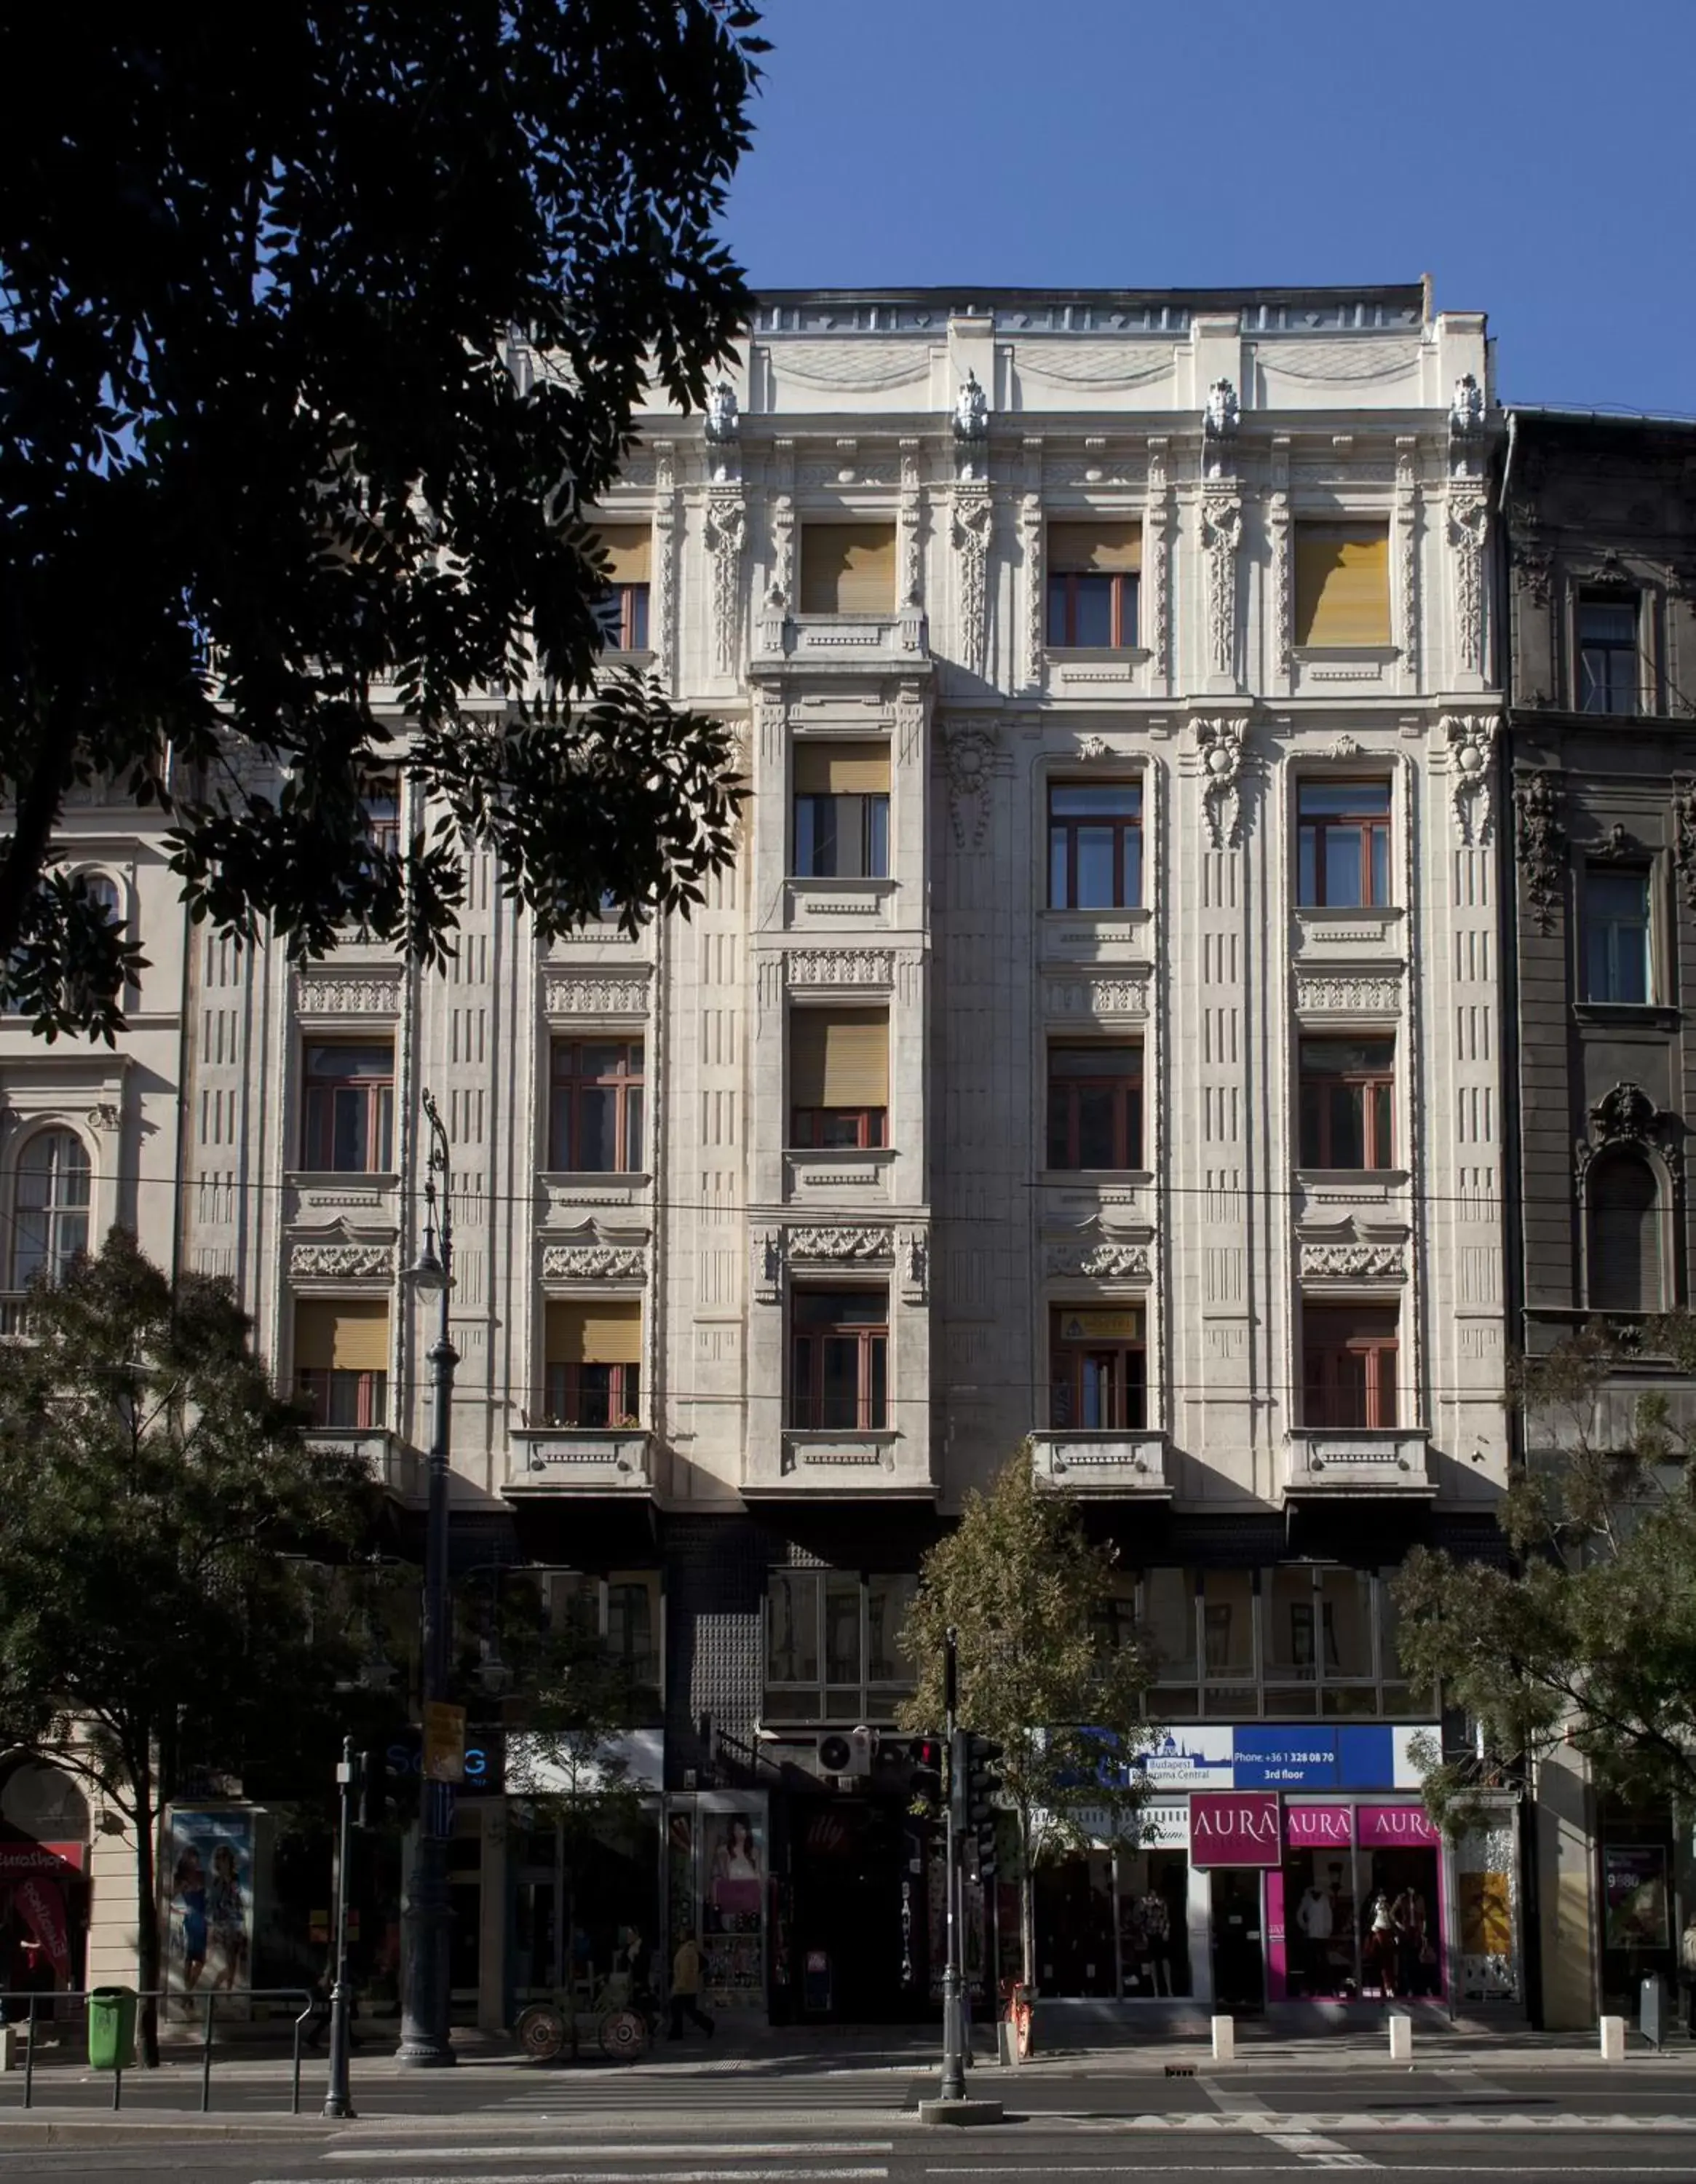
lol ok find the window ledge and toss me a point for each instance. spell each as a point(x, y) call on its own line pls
point(1382, 653)
point(1074, 1178)
point(1394, 1177)
point(342, 1179)
point(1363, 913)
point(871, 884)
point(633, 1179)
point(1616, 1015)
point(1129, 656)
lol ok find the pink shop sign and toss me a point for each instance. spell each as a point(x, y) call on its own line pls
point(1236, 1827)
point(1318, 1827)
point(1388, 1825)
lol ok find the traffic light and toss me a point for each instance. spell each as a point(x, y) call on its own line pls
point(925, 1755)
point(981, 1757)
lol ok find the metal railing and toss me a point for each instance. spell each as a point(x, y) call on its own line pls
point(210, 1997)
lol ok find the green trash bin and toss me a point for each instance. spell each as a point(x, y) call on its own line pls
point(112, 2028)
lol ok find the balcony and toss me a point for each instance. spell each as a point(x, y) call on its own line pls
point(399, 1470)
point(1340, 1460)
point(833, 1172)
point(579, 1460)
point(872, 643)
point(1122, 1462)
point(837, 1466)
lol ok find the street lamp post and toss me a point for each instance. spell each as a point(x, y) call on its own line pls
point(424, 2034)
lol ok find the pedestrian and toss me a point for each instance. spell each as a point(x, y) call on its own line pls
point(686, 1988)
point(1686, 1972)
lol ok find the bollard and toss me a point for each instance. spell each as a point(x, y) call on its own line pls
point(1401, 2039)
point(8, 2047)
point(1613, 2039)
point(1225, 2039)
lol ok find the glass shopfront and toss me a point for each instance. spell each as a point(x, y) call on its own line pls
point(1114, 1921)
point(1357, 1905)
point(717, 1888)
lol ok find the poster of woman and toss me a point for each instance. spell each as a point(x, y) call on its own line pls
point(210, 1877)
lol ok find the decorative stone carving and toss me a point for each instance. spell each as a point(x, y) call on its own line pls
point(1107, 1263)
point(1031, 542)
point(105, 1115)
point(1615, 843)
point(1540, 847)
point(594, 1262)
point(1094, 747)
point(1684, 835)
point(1157, 525)
point(1472, 740)
point(973, 514)
point(912, 520)
point(1223, 746)
point(1284, 612)
point(1223, 413)
point(338, 994)
point(840, 1246)
point(915, 1265)
point(1341, 994)
point(664, 633)
point(1344, 746)
point(727, 527)
point(579, 993)
point(1469, 517)
point(341, 1263)
point(766, 1246)
point(969, 754)
point(971, 411)
point(841, 966)
point(1354, 1262)
point(1627, 1117)
point(1098, 997)
point(723, 421)
point(1221, 533)
point(1466, 411)
point(1407, 546)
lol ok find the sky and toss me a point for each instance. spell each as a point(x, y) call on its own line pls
point(1535, 159)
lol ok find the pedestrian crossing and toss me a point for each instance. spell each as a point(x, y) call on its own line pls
point(708, 2157)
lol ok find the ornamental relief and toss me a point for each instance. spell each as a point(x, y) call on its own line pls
point(341, 1263)
point(1100, 997)
point(1344, 994)
point(567, 993)
point(840, 966)
point(840, 1246)
point(594, 1262)
point(337, 994)
point(1099, 1262)
point(1377, 1262)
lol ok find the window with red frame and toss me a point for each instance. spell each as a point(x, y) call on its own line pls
point(347, 1120)
point(381, 799)
point(1095, 844)
point(1098, 1370)
point(595, 1106)
point(1095, 1107)
point(838, 1076)
point(1346, 1111)
point(344, 1401)
point(839, 1360)
point(837, 1126)
point(1348, 1367)
point(1093, 567)
point(593, 1395)
point(1343, 858)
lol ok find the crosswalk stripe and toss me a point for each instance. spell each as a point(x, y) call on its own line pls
point(637, 2149)
point(831, 2173)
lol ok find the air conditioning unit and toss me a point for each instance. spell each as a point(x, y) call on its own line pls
point(846, 1754)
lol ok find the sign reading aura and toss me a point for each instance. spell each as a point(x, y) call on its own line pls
point(1234, 1827)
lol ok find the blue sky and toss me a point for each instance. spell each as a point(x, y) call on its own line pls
point(1535, 159)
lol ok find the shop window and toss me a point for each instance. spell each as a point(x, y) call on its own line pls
point(1624, 1201)
point(622, 608)
point(832, 1646)
point(1607, 653)
point(1095, 844)
point(1343, 586)
point(1098, 1364)
point(50, 1227)
point(1346, 1095)
point(1348, 1367)
point(1616, 934)
point(1343, 844)
point(348, 1109)
point(842, 811)
point(595, 1096)
point(594, 1367)
point(1095, 1106)
point(341, 1361)
point(847, 569)
point(838, 1076)
point(839, 1360)
point(1093, 572)
point(1114, 1922)
point(1361, 1918)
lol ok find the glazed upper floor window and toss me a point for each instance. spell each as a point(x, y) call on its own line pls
point(832, 1646)
point(348, 1117)
point(341, 1360)
point(1348, 1367)
point(1344, 838)
point(380, 799)
point(839, 1360)
point(1095, 1106)
point(622, 609)
point(842, 811)
point(595, 1106)
point(1098, 1369)
point(1607, 653)
point(1346, 1102)
point(1616, 923)
point(1094, 569)
point(847, 568)
point(1343, 585)
point(592, 1370)
point(838, 1076)
point(50, 1222)
point(1095, 844)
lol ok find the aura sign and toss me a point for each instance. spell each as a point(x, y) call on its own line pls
point(1238, 1827)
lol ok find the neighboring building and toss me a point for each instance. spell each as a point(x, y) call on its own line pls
point(1601, 547)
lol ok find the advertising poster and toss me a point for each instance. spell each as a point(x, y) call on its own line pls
point(209, 1881)
point(1634, 1897)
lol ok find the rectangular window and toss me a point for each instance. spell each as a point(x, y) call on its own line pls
point(595, 1106)
point(1095, 1106)
point(838, 1076)
point(348, 1109)
point(1346, 1111)
point(1348, 1367)
point(1093, 573)
point(847, 568)
point(842, 811)
point(1098, 1370)
point(1343, 585)
point(593, 1365)
point(1343, 859)
point(632, 1624)
point(342, 1362)
point(380, 797)
point(1616, 934)
point(1095, 845)
point(839, 1360)
point(1607, 653)
point(622, 611)
point(832, 1651)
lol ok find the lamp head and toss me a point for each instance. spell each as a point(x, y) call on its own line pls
point(426, 1272)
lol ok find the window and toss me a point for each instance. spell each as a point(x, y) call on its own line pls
point(1228, 1601)
point(1607, 653)
point(1343, 861)
point(103, 892)
point(839, 1376)
point(1625, 1234)
point(632, 1624)
point(622, 611)
point(847, 568)
point(838, 1076)
point(341, 1361)
point(832, 1646)
point(1095, 845)
point(1346, 1103)
point(52, 1223)
point(1098, 1367)
point(1095, 1106)
point(1616, 940)
point(594, 1123)
point(380, 800)
point(842, 811)
point(593, 1365)
point(1343, 585)
point(1092, 577)
point(1318, 1627)
point(1349, 1365)
point(349, 1110)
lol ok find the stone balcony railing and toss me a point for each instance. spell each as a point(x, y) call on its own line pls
point(878, 641)
point(1338, 1460)
point(842, 1466)
point(579, 1460)
point(400, 1470)
point(1122, 1463)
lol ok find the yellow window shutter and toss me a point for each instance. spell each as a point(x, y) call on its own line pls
point(847, 568)
point(1342, 584)
point(1099, 547)
point(839, 1058)
point(842, 769)
point(341, 1335)
point(594, 1334)
point(630, 550)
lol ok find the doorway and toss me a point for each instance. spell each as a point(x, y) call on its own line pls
point(1239, 1955)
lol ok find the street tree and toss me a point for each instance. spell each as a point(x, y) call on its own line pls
point(168, 1528)
point(1040, 1672)
point(1583, 1632)
point(322, 331)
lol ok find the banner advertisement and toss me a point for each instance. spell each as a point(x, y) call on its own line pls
point(210, 1880)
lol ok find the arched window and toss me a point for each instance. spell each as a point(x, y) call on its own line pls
point(52, 1219)
point(104, 891)
point(1625, 1235)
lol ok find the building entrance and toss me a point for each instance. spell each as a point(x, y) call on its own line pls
point(1239, 1956)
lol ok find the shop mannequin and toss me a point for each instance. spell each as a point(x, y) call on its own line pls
point(1155, 1920)
point(1314, 1918)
